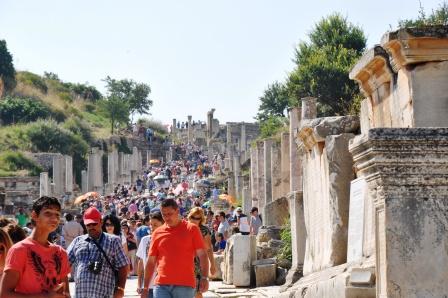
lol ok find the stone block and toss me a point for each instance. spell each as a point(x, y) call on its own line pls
point(239, 254)
point(265, 261)
point(265, 275)
point(362, 277)
point(266, 233)
point(276, 213)
point(219, 259)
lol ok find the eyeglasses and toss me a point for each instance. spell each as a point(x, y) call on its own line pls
point(195, 218)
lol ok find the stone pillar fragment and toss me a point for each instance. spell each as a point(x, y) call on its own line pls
point(295, 171)
point(240, 252)
point(267, 171)
point(68, 174)
point(246, 194)
point(174, 126)
point(285, 168)
point(84, 181)
point(254, 176)
point(237, 176)
point(59, 175)
point(44, 185)
point(189, 130)
point(261, 195)
point(95, 170)
point(276, 173)
point(407, 175)
point(113, 168)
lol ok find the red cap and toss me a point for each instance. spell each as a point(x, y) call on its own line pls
point(91, 215)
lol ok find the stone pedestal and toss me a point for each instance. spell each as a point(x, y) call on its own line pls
point(265, 275)
point(239, 254)
point(408, 171)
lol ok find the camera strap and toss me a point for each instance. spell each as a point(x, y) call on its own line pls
point(107, 258)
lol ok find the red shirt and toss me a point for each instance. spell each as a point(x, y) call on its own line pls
point(175, 249)
point(40, 267)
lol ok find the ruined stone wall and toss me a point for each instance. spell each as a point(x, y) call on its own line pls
point(20, 191)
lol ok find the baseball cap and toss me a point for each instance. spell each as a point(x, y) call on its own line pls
point(91, 215)
point(239, 209)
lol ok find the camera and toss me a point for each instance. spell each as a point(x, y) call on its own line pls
point(95, 266)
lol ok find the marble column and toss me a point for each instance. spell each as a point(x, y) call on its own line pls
point(254, 176)
point(276, 173)
point(84, 181)
point(44, 185)
point(190, 130)
point(59, 175)
point(237, 176)
point(68, 174)
point(285, 167)
point(261, 180)
point(174, 127)
point(113, 168)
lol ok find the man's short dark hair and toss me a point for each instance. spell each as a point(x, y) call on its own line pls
point(223, 214)
point(169, 203)
point(146, 219)
point(45, 202)
point(157, 215)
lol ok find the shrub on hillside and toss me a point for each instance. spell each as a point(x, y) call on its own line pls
point(15, 109)
point(33, 79)
point(48, 136)
point(11, 162)
point(80, 128)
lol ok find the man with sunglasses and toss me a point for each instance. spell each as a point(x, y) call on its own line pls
point(99, 259)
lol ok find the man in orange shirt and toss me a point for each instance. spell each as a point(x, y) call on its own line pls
point(173, 247)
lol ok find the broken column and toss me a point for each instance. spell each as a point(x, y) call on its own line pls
point(237, 176)
point(246, 194)
point(44, 184)
point(254, 176)
point(295, 197)
point(260, 175)
point(285, 167)
point(95, 170)
point(68, 175)
point(174, 127)
point(210, 124)
point(113, 168)
point(59, 175)
point(267, 171)
point(276, 172)
point(84, 182)
point(190, 130)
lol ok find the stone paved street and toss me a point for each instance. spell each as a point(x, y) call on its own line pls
point(217, 289)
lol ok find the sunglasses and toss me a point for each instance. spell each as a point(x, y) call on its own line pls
point(195, 218)
point(108, 224)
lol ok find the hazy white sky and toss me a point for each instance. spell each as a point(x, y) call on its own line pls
point(195, 54)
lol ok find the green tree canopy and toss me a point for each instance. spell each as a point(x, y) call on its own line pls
point(115, 109)
point(274, 102)
point(136, 95)
point(7, 71)
point(323, 65)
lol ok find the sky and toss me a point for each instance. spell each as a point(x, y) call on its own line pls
point(195, 54)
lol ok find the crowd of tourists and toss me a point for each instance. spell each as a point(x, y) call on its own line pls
point(164, 229)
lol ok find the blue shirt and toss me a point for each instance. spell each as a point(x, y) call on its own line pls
point(82, 251)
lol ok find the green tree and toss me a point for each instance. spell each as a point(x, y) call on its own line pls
point(273, 102)
point(136, 95)
point(323, 65)
point(7, 71)
point(116, 110)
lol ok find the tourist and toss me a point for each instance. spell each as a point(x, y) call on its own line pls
point(155, 221)
point(78, 218)
point(71, 230)
point(197, 217)
point(5, 245)
point(224, 226)
point(112, 226)
point(143, 230)
point(173, 247)
point(132, 246)
point(255, 221)
point(35, 267)
point(220, 245)
point(98, 258)
point(22, 217)
point(242, 221)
